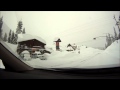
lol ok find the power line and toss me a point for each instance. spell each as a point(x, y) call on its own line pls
point(84, 30)
point(83, 25)
point(83, 41)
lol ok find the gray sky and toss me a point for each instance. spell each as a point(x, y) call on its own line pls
point(70, 26)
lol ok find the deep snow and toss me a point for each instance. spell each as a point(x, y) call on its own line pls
point(88, 58)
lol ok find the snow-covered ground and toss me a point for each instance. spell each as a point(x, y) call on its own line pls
point(88, 58)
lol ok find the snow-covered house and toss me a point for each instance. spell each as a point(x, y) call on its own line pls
point(71, 47)
point(26, 41)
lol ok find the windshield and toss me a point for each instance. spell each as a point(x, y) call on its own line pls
point(62, 39)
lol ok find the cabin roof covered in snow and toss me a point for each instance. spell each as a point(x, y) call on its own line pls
point(25, 37)
point(69, 45)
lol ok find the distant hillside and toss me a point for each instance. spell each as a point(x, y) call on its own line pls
point(99, 43)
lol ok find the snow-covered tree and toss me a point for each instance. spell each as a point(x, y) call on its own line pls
point(118, 24)
point(119, 35)
point(5, 37)
point(24, 31)
point(113, 39)
point(115, 34)
point(9, 37)
point(1, 23)
point(108, 40)
point(12, 37)
point(15, 39)
point(19, 28)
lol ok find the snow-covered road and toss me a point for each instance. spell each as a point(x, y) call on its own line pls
point(88, 58)
point(65, 59)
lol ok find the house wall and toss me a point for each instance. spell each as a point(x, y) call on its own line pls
point(31, 43)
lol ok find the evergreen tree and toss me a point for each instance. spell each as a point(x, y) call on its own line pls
point(109, 40)
point(118, 24)
point(15, 39)
point(1, 23)
point(12, 37)
point(115, 34)
point(9, 38)
point(113, 39)
point(119, 27)
point(106, 41)
point(24, 31)
point(5, 37)
point(119, 35)
point(19, 28)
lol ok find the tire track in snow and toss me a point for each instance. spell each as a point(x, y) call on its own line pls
point(81, 62)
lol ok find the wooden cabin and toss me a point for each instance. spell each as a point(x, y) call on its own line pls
point(30, 43)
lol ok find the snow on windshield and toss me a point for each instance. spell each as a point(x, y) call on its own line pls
point(63, 39)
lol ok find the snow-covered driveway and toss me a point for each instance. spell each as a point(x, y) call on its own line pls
point(65, 59)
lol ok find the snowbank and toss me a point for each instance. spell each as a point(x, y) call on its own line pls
point(60, 60)
point(109, 58)
point(88, 58)
point(13, 47)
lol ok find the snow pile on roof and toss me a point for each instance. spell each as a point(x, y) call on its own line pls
point(25, 51)
point(24, 37)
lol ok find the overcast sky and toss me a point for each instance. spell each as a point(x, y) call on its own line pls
point(70, 26)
